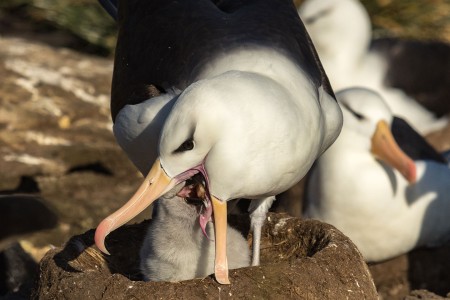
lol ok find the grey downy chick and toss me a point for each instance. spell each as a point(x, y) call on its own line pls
point(175, 248)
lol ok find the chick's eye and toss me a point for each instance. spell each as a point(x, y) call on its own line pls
point(186, 146)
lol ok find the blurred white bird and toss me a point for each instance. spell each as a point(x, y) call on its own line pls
point(413, 77)
point(367, 187)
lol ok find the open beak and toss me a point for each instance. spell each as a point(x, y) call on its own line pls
point(386, 149)
point(156, 184)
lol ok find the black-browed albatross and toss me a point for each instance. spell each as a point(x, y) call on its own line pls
point(245, 102)
point(412, 76)
point(380, 183)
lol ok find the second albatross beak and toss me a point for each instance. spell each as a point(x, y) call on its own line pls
point(386, 149)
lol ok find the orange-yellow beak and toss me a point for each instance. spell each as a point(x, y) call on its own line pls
point(156, 184)
point(386, 149)
point(220, 232)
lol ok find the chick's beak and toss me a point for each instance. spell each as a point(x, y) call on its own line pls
point(156, 184)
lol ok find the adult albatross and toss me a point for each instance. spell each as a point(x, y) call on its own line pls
point(412, 76)
point(380, 183)
point(244, 102)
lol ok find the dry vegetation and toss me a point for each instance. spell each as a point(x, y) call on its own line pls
point(85, 19)
point(423, 19)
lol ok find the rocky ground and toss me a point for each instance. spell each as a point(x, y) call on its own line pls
point(57, 151)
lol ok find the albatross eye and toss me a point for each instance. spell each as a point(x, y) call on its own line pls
point(354, 113)
point(314, 18)
point(186, 146)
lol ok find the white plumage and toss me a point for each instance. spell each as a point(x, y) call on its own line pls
point(341, 32)
point(244, 102)
point(367, 199)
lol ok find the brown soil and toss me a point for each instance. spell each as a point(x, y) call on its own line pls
point(300, 260)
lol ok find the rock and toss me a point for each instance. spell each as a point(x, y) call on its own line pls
point(42, 89)
point(22, 214)
point(426, 268)
point(423, 294)
point(56, 141)
point(300, 260)
point(57, 149)
point(17, 271)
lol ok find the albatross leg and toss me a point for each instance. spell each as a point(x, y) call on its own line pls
point(258, 210)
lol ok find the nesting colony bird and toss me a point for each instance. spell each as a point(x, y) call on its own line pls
point(175, 248)
point(412, 76)
point(387, 200)
point(244, 102)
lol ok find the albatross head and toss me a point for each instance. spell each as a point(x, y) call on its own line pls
point(366, 113)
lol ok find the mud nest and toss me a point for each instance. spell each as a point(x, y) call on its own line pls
point(300, 259)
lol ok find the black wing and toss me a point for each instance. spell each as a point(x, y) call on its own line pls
point(110, 6)
point(166, 43)
point(413, 143)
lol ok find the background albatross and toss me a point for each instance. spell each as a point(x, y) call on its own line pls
point(412, 76)
point(388, 195)
point(244, 102)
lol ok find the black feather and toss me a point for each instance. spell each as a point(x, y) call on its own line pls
point(412, 143)
point(110, 6)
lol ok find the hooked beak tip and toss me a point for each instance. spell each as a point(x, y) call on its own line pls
point(102, 231)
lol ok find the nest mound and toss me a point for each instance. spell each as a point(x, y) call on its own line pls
point(301, 259)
